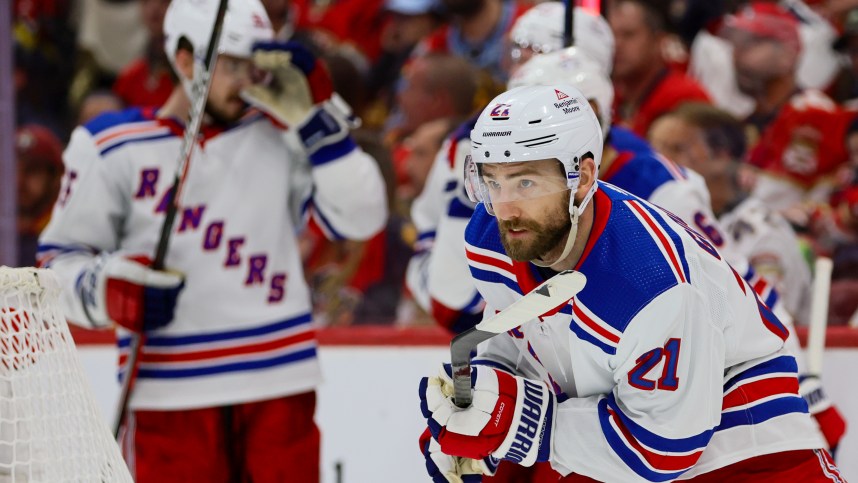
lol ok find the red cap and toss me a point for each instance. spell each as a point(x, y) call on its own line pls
point(37, 144)
point(767, 20)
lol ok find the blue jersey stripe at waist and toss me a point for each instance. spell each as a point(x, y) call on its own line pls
point(177, 373)
point(170, 341)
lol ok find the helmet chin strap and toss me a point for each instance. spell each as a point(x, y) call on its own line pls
point(574, 215)
point(570, 240)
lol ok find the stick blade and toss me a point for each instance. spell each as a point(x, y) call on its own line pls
point(551, 294)
point(554, 292)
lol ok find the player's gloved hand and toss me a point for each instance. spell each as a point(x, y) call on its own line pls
point(299, 93)
point(511, 417)
point(830, 421)
point(444, 468)
point(126, 291)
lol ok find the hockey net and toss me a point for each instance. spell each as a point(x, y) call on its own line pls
point(50, 428)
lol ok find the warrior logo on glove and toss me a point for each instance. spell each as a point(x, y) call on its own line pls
point(510, 418)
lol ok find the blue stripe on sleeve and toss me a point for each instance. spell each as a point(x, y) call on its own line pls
point(629, 457)
point(785, 363)
point(656, 442)
point(327, 224)
point(772, 299)
point(332, 152)
point(762, 412)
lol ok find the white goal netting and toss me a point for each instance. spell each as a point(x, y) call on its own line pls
point(50, 428)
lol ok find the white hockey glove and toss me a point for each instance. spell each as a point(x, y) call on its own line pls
point(443, 468)
point(126, 291)
point(510, 418)
point(299, 94)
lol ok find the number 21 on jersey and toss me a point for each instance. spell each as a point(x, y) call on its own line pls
point(639, 375)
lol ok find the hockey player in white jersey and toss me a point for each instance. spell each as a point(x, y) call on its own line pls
point(438, 274)
point(714, 144)
point(227, 375)
point(666, 366)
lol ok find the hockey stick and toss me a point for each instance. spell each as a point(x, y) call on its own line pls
point(818, 315)
point(569, 24)
point(551, 294)
point(199, 93)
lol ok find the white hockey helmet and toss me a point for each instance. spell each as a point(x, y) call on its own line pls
point(574, 67)
point(533, 123)
point(541, 29)
point(245, 23)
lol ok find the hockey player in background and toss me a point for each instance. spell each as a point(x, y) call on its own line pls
point(227, 374)
point(713, 143)
point(665, 366)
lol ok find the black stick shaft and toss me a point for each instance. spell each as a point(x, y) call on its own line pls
point(569, 24)
point(199, 92)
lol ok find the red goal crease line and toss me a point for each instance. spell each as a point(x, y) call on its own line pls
point(382, 335)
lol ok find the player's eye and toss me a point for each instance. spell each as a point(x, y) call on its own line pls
point(492, 184)
point(526, 183)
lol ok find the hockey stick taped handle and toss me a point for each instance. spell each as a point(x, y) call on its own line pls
point(552, 293)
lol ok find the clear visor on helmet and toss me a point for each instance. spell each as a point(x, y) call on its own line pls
point(499, 184)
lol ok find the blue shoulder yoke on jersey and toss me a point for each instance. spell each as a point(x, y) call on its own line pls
point(632, 255)
point(640, 171)
point(623, 139)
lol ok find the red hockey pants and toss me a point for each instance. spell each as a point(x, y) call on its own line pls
point(261, 442)
point(806, 466)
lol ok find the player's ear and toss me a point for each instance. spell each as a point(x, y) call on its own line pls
point(185, 61)
point(587, 177)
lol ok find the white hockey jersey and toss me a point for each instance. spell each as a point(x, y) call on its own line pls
point(437, 273)
point(666, 366)
point(772, 248)
point(242, 329)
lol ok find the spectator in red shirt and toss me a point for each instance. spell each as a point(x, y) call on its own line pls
point(645, 86)
point(800, 138)
point(148, 80)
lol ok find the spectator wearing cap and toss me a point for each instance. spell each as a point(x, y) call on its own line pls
point(766, 47)
point(645, 86)
point(800, 133)
point(40, 167)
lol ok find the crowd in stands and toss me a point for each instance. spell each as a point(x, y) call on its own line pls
point(760, 97)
